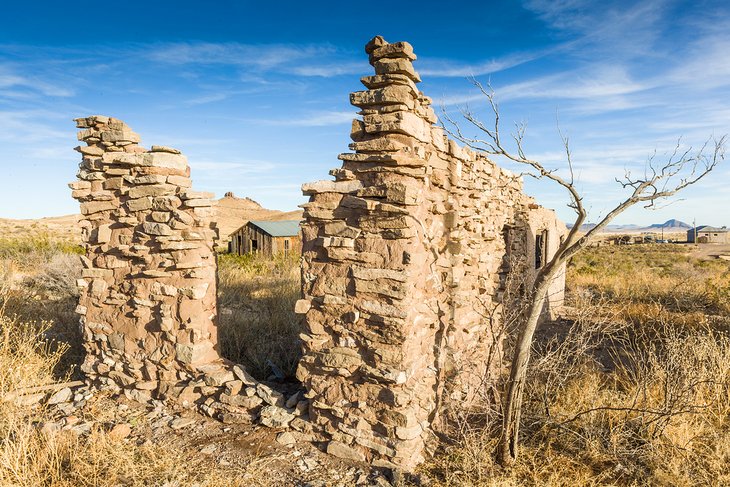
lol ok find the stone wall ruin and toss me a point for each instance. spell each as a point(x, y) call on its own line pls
point(406, 267)
point(148, 300)
point(404, 264)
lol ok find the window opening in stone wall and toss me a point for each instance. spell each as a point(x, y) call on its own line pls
point(540, 249)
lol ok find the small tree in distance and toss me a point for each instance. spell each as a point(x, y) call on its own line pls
point(661, 180)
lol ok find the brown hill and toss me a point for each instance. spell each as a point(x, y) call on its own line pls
point(233, 212)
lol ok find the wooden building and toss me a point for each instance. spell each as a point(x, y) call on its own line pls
point(707, 234)
point(267, 237)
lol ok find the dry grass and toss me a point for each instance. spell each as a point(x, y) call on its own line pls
point(258, 327)
point(633, 390)
point(39, 345)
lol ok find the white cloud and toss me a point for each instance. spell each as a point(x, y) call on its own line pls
point(9, 79)
point(451, 68)
point(318, 119)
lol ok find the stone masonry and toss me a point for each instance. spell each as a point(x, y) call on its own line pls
point(148, 287)
point(408, 264)
point(405, 260)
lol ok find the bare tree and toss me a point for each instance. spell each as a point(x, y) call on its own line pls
point(660, 180)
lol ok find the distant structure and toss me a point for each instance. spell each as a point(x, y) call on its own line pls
point(267, 238)
point(708, 234)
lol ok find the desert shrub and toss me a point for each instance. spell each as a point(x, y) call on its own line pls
point(632, 389)
point(31, 456)
point(30, 249)
point(46, 294)
point(257, 324)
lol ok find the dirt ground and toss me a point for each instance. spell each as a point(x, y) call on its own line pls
point(250, 454)
point(710, 251)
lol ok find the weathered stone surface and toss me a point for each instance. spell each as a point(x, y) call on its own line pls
point(275, 417)
point(153, 228)
point(340, 450)
point(165, 159)
point(148, 286)
point(331, 187)
point(403, 258)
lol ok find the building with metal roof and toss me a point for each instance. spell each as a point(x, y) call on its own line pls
point(708, 234)
point(266, 237)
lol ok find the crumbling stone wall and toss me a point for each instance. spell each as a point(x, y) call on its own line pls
point(407, 258)
point(403, 269)
point(148, 287)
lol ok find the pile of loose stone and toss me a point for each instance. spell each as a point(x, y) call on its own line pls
point(148, 287)
point(403, 266)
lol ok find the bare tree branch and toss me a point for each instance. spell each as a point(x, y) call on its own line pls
point(660, 180)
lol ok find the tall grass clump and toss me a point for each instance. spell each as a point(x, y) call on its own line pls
point(30, 249)
point(257, 324)
point(633, 388)
point(33, 357)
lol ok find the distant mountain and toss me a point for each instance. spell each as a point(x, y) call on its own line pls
point(672, 225)
point(231, 213)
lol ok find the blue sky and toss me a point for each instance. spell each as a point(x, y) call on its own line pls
point(256, 93)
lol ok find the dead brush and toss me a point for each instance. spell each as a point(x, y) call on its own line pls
point(30, 456)
point(257, 324)
point(630, 390)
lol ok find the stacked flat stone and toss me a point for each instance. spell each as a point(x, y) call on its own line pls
point(403, 265)
point(148, 287)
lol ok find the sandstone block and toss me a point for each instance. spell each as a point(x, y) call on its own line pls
point(194, 354)
point(139, 204)
point(195, 195)
point(302, 306)
point(396, 66)
point(389, 95)
point(92, 150)
point(181, 181)
point(331, 187)
point(154, 228)
point(340, 450)
point(166, 160)
point(91, 207)
point(151, 190)
point(162, 148)
point(200, 202)
point(275, 417)
point(395, 50)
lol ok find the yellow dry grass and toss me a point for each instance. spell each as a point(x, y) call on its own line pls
point(633, 389)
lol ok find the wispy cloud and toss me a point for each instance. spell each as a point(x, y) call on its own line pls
point(318, 119)
point(452, 69)
point(260, 56)
point(10, 79)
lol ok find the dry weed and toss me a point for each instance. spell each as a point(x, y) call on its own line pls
point(634, 389)
point(258, 327)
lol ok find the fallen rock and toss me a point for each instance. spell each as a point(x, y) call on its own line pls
point(340, 450)
point(275, 417)
point(120, 431)
point(62, 395)
point(180, 423)
point(285, 438)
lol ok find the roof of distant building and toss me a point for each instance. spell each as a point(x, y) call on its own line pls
point(283, 228)
point(709, 229)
